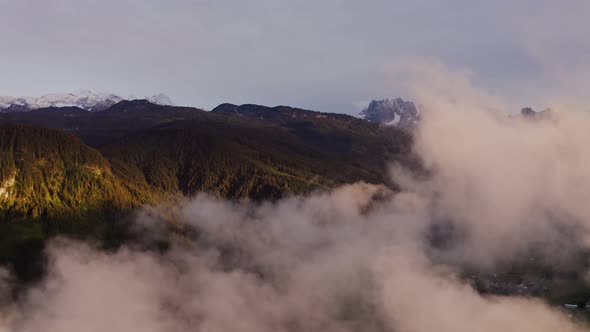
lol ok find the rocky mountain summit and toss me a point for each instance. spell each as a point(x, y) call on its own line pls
point(395, 112)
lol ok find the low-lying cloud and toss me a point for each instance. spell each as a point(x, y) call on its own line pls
point(499, 190)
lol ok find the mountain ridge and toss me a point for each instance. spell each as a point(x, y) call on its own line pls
point(84, 99)
point(154, 151)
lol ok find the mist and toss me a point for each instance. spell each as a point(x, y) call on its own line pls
point(500, 189)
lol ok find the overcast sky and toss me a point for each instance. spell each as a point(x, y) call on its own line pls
point(329, 55)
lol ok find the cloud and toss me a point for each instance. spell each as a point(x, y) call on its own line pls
point(319, 263)
point(417, 297)
point(505, 179)
point(360, 257)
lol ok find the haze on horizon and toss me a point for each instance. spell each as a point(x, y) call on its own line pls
point(331, 55)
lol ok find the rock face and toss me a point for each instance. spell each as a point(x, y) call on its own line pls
point(527, 111)
point(395, 112)
point(530, 113)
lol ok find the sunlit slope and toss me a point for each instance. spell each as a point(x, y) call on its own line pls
point(46, 172)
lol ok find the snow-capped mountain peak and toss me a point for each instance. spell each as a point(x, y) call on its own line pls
point(85, 99)
point(395, 112)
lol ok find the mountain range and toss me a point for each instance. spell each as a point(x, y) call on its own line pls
point(397, 111)
point(58, 161)
point(81, 173)
point(84, 99)
point(71, 171)
point(393, 112)
point(145, 152)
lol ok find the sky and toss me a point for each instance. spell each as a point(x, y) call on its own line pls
point(326, 55)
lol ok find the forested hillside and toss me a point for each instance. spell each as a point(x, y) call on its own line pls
point(149, 152)
point(69, 171)
point(45, 172)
